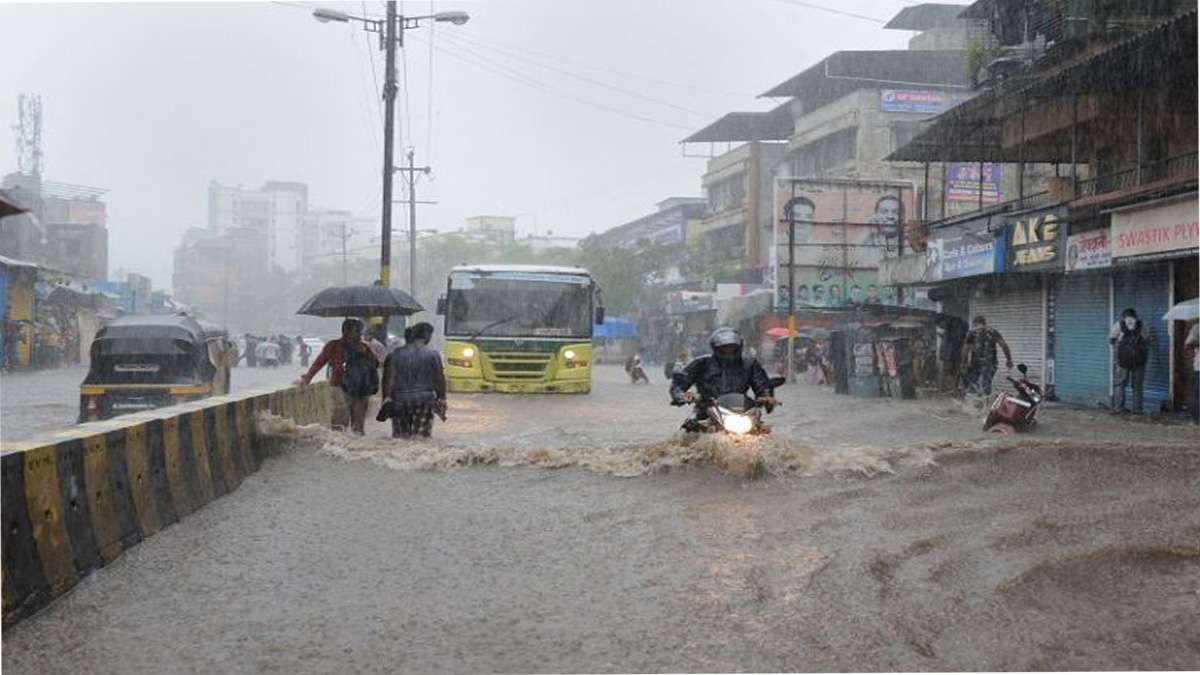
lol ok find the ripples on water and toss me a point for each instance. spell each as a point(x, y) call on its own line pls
point(747, 457)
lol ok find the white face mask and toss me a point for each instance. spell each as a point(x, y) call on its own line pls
point(1130, 322)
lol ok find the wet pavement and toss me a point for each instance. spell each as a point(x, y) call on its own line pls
point(38, 401)
point(581, 533)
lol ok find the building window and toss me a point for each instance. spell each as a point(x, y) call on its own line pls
point(726, 194)
point(826, 154)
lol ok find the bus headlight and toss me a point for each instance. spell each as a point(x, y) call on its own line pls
point(569, 354)
point(468, 352)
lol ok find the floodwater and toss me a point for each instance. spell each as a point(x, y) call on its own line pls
point(570, 534)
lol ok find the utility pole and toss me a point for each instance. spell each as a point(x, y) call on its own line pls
point(344, 236)
point(791, 322)
point(389, 127)
point(411, 172)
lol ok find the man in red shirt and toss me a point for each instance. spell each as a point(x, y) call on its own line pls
point(348, 405)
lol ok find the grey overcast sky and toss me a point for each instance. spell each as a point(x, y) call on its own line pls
point(568, 112)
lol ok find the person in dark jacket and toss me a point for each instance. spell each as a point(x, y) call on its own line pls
point(726, 371)
point(414, 384)
point(1133, 352)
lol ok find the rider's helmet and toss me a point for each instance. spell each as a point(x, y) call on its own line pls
point(726, 344)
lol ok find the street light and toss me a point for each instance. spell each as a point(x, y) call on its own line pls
point(391, 33)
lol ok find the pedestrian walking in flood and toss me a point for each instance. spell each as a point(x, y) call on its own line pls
point(1128, 336)
point(304, 349)
point(251, 351)
point(414, 385)
point(979, 356)
point(353, 376)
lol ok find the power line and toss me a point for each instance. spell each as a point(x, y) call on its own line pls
point(591, 80)
point(583, 66)
point(822, 8)
point(535, 84)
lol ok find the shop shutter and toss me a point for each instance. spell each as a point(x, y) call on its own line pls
point(1145, 288)
point(1019, 314)
point(1082, 355)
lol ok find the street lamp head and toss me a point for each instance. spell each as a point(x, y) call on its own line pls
point(326, 15)
point(457, 17)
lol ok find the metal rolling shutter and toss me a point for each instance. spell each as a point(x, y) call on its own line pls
point(1020, 316)
point(1082, 355)
point(1145, 288)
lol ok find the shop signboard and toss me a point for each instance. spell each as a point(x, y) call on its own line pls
point(1034, 241)
point(1164, 228)
point(927, 102)
point(963, 182)
point(967, 255)
point(1088, 251)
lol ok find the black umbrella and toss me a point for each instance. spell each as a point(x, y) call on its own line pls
point(360, 301)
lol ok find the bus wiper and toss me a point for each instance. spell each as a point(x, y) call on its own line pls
point(489, 326)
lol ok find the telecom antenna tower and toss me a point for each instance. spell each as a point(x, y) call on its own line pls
point(29, 134)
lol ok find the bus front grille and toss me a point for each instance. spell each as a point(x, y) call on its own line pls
point(520, 366)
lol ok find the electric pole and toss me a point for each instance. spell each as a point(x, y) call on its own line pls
point(389, 128)
point(411, 172)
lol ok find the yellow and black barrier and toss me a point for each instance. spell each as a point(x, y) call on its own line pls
point(74, 500)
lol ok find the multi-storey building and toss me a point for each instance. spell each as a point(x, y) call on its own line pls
point(1105, 93)
point(276, 211)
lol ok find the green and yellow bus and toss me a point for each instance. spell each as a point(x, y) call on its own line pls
point(523, 329)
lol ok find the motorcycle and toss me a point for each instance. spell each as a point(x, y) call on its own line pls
point(735, 414)
point(1010, 414)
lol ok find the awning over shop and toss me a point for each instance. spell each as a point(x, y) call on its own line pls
point(615, 328)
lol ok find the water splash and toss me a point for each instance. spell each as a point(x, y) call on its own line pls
point(747, 457)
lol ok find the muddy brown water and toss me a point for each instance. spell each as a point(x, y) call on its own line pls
point(573, 534)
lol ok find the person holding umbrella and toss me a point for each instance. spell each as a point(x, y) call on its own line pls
point(353, 376)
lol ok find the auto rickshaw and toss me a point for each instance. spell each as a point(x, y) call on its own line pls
point(144, 362)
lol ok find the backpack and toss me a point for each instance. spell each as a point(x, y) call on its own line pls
point(359, 376)
point(1132, 351)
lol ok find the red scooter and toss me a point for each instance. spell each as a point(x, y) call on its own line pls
point(1010, 414)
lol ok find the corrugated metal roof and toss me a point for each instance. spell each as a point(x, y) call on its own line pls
point(771, 125)
point(845, 71)
point(972, 130)
point(927, 15)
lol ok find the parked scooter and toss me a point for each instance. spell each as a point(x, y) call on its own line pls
point(1010, 414)
point(735, 414)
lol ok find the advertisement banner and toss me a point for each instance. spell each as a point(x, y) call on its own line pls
point(1157, 229)
point(842, 228)
point(911, 101)
point(967, 256)
point(1034, 241)
point(963, 182)
point(1089, 251)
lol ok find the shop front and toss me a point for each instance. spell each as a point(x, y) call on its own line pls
point(1154, 252)
point(1083, 317)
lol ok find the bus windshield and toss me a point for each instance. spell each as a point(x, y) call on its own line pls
point(519, 305)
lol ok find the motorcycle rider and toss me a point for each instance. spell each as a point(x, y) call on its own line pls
point(726, 371)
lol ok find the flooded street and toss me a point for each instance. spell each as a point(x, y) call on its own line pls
point(568, 534)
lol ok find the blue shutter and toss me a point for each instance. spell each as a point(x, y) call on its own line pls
point(1082, 355)
point(1145, 288)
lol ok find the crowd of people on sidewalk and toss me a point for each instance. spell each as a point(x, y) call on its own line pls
point(412, 387)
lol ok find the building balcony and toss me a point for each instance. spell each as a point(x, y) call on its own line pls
point(1177, 171)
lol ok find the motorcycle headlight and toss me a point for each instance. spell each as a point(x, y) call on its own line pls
point(737, 424)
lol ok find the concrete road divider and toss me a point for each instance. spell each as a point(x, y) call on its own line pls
point(74, 500)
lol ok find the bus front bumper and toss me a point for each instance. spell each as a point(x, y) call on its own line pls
point(479, 385)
